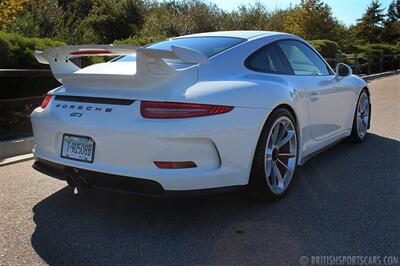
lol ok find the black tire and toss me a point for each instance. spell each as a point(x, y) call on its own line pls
point(355, 137)
point(258, 185)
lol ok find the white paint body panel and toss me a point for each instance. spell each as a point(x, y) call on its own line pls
point(223, 145)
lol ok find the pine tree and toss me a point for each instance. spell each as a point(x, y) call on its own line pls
point(392, 14)
point(391, 31)
point(369, 27)
point(398, 8)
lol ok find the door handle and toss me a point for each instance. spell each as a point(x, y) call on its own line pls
point(313, 95)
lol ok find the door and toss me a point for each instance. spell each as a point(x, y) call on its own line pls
point(329, 99)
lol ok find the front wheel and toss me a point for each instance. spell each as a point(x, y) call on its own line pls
point(361, 118)
point(275, 159)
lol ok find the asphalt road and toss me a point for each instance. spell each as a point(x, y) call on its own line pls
point(345, 201)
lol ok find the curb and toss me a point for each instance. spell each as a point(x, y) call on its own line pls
point(380, 75)
point(16, 159)
point(15, 147)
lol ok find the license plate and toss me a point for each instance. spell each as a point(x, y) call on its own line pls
point(78, 148)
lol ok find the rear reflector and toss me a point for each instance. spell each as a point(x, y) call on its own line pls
point(166, 110)
point(175, 165)
point(46, 101)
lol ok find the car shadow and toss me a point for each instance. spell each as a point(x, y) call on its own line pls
point(344, 201)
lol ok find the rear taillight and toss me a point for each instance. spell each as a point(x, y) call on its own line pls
point(46, 101)
point(165, 110)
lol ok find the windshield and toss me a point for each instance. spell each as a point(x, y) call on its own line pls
point(208, 46)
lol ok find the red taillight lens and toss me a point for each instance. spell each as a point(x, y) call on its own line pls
point(46, 101)
point(175, 165)
point(165, 110)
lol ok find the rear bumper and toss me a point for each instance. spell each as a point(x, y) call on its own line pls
point(134, 185)
point(222, 146)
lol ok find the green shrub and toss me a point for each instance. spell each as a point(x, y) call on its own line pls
point(17, 51)
point(376, 49)
point(326, 48)
point(385, 48)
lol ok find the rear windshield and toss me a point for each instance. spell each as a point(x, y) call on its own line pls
point(208, 46)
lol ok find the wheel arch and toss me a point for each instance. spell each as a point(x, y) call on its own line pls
point(292, 111)
point(358, 89)
point(365, 87)
point(282, 105)
point(367, 90)
point(289, 108)
point(370, 105)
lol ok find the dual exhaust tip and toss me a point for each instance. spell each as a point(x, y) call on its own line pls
point(76, 181)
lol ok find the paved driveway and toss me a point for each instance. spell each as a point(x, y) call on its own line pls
point(346, 201)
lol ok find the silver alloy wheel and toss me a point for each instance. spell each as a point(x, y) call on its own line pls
point(362, 115)
point(280, 154)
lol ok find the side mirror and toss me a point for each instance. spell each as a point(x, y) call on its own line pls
point(343, 70)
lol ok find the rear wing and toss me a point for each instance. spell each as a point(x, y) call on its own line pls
point(148, 60)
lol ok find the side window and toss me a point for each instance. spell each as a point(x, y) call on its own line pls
point(269, 59)
point(303, 59)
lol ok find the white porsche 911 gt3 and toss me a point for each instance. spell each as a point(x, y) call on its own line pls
point(207, 111)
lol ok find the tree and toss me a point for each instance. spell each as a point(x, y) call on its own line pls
point(276, 19)
point(77, 9)
point(312, 19)
point(75, 12)
point(246, 17)
point(8, 9)
point(38, 18)
point(392, 13)
point(252, 17)
point(391, 31)
point(174, 18)
point(110, 20)
point(369, 27)
point(398, 8)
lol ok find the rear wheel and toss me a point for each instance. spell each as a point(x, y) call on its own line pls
point(275, 160)
point(361, 118)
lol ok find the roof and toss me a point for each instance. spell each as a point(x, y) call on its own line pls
point(245, 34)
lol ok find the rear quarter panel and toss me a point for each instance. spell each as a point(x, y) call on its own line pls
point(227, 81)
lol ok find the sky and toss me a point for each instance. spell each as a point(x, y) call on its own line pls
point(347, 11)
